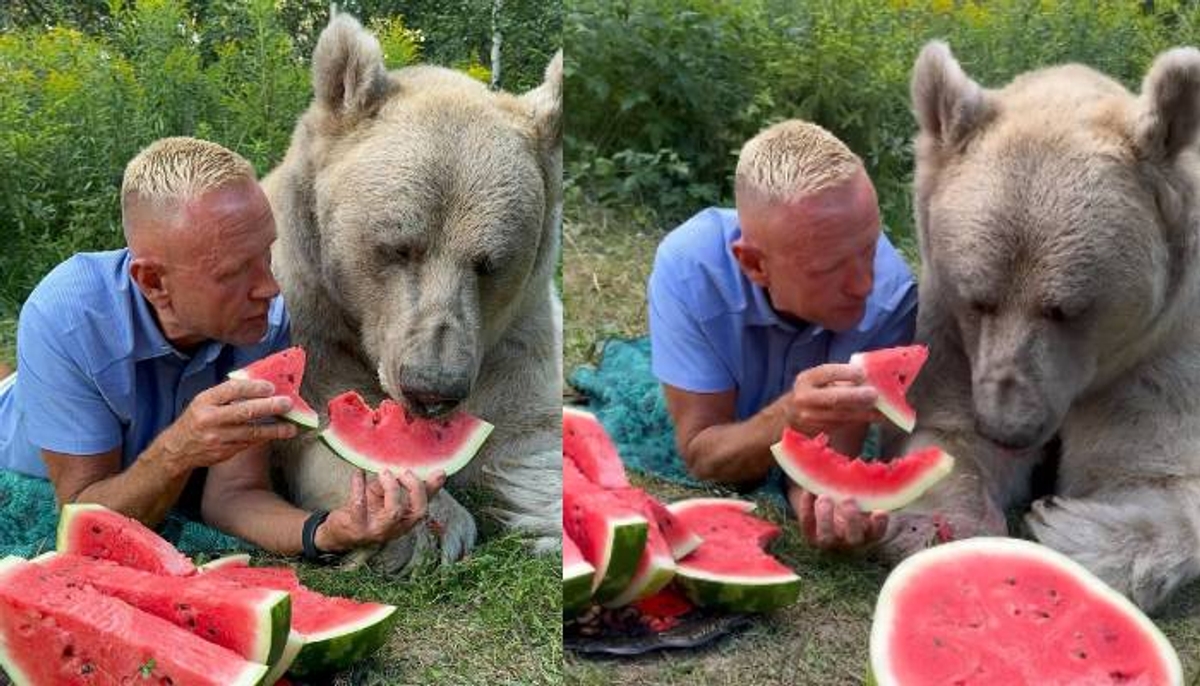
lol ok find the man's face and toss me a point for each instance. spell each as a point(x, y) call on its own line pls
point(815, 256)
point(218, 271)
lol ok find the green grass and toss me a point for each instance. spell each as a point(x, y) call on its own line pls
point(822, 640)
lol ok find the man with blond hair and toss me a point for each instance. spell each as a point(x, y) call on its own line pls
point(120, 395)
point(754, 313)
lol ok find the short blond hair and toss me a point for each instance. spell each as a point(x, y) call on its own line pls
point(171, 171)
point(790, 160)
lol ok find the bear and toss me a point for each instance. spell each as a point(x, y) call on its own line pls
point(418, 217)
point(1057, 227)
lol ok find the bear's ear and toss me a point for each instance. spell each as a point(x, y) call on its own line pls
point(1169, 107)
point(947, 103)
point(349, 79)
point(545, 102)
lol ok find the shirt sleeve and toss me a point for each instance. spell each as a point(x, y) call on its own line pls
point(63, 408)
point(900, 326)
point(680, 354)
point(281, 336)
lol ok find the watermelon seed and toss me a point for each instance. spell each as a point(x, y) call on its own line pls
point(1043, 614)
point(86, 668)
point(68, 651)
point(937, 642)
point(1119, 677)
point(95, 529)
point(166, 681)
point(1081, 654)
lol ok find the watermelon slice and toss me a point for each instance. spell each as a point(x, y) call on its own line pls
point(52, 632)
point(577, 577)
point(336, 632)
point(679, 537)
point(588, 445)
point(252, 622)
point(811, 463)
point(611, 536)
point(393, 438)
point(1003, 611)
point(655, 569)
point(891, 371)
point(284, 369)
point(96, 531)
point(730, 570)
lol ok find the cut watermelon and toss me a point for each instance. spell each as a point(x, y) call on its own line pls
point(284, 369)
point(252, 622)
point(588, 445)
point(393, 438)
point(812, 464)
point(54, 633)
point(730, 570)
point(1005, 612)
point(611, 536)
point(96, 531)
point(655, 569)
point(336, 632)
point(891, 371)
point(679, 537)
point(577, 577)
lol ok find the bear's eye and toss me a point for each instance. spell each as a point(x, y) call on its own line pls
point(484, 267)
point(401, 254)
point(1055, 314)
point(982, 308)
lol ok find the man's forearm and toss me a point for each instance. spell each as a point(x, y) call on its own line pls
point(737, 453)
point(260, 516)
point(146, 491)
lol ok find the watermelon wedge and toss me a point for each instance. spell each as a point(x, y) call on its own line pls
point(730, 570)
point(588, 445)
point(96, 531)
point(1005, 612)
point(391, 437)
point(655, 569)
point(811, 463)
point(252, 622)
point(336, 632)
point(610, 535)
point(284, 369)
point(891, 371)
point(577, 577)
point(679, 537)
point(52, 632)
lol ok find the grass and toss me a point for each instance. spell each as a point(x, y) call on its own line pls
point(822, 640)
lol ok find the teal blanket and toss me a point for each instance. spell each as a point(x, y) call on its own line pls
point(28, 520)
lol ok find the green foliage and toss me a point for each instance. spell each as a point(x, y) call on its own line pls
point(698, 77)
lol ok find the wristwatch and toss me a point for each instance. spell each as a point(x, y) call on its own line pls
point(308, 539)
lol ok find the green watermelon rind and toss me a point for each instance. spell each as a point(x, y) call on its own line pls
point(744, 506)
point(895, 414)
point(340, 647)
point(627, 539)
point(577, 585)
point(867, 503)
point(451, 464)
point(306, 420)
point(737, 593)
point(928, 561)
point(235, 560)
point(652, 580)
point(73, 511)
point(291, 648)
point(272, 634)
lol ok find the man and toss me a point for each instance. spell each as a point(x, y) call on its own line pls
point(754, 313)
point(119, 395)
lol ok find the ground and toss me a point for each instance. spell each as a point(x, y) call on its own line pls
point(822, 640)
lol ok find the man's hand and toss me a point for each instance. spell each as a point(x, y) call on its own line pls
point(831, 525)
point(386, 508)
point(829, 397)
point(223, 421)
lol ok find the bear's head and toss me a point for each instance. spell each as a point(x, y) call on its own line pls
point(434, 208)
point(1056, 221)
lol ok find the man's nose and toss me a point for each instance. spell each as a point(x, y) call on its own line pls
point(861, 279)
point(266, 287)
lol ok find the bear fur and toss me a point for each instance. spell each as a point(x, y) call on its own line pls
point(1060, 300)
point(418, 217)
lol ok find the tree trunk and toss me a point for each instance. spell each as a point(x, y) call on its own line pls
point(497, 39)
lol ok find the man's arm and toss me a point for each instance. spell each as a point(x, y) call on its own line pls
point(145, 491)
point(714, 446)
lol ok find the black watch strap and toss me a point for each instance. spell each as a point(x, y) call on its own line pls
point(308, 538)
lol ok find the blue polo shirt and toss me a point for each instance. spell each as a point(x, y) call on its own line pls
point(713, 330)
point(96, 372)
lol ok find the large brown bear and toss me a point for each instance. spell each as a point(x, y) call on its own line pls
point(418, 217)
point(1058, 229)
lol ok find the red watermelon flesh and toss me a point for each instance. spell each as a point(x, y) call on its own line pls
point(812, 464)
point(391, 437)
point(52, 633)
point(1007, 612)
point(588, 445)
point(252, 622)
point(891, 371)
point(284, 369)
point(337, 631)
point(679, 537)
point(96, 531)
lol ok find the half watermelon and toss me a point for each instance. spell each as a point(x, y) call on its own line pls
point(1007, 612)
point(96, 531)
point(53, 632)
point(730, 569)
point(812, 464)
point(391, 437)
point(891, 371)
point(284, 369)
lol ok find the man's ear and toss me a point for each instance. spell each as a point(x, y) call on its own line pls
point(751, 260)
point(147, 273)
